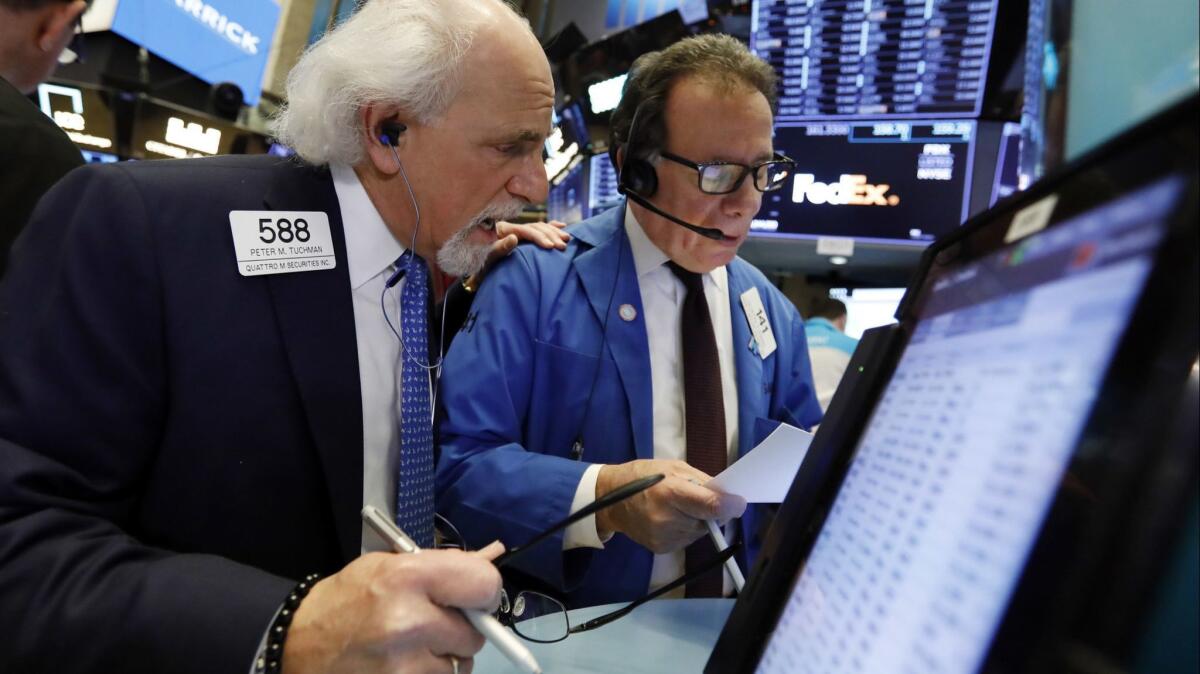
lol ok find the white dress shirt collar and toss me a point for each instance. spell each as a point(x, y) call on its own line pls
point(647, 256)
point(370, 246)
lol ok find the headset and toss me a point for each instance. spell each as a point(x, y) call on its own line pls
point(389, 135)
point(638, 180)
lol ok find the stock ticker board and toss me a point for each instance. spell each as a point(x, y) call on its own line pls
point(873, 59)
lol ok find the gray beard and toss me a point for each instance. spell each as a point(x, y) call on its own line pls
point(460, 257)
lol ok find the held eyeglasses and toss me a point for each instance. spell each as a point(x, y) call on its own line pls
point(541, 618)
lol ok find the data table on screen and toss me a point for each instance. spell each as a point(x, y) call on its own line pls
point(875, 58)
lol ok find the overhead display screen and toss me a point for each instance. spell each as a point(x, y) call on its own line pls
point(602, 184)
point(875, 58)
point(85, 114)
point(567, 198)
point(896, 181)
point(164, 131)
point(215, 40)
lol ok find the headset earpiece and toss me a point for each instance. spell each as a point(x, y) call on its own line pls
point(389, 133)
point(638, 175)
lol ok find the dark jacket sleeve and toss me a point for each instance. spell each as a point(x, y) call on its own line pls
point(83, 400)
point(36, 154)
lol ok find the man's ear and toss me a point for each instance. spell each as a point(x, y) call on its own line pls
point(57, 19)
point(372, 120)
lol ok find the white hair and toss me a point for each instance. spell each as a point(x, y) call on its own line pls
point(407, 53)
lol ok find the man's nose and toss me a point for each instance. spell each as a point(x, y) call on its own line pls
point(529, 182)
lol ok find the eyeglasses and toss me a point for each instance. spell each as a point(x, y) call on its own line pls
point(540, 618)
point(723, 177)
point(544, 619)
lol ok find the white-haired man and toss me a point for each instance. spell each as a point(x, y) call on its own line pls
point(208, 367)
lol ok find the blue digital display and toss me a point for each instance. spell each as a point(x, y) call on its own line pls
point(215, 40)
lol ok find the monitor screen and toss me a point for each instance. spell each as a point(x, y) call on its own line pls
point(871, 60)
point(604, 96)
point(165, 131)
point(567, 200)
point(84, 113)
point(957, 466)
point(1008, 163)
point(215, 40)
point(621, 14)
point(568, 140)
point(602, 184)
point(895, 181)
point(868, 308)
point(99, 157)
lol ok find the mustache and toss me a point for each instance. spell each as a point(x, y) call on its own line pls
point(491, 214)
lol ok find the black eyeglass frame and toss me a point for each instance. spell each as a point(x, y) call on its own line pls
point(615, 496)
point(699, 168)
point(504, 614)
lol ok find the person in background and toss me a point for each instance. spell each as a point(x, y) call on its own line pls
point(209, 366)
point(829, 347)
point(34, 152)
point(644, 348)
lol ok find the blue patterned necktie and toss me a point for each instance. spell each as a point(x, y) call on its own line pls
point(414, 481)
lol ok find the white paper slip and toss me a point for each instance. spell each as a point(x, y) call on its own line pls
point(765, 473)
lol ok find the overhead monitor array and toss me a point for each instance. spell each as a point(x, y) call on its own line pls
point(878, 105)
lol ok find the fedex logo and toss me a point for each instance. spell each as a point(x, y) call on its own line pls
point(230, 30)
point(851, 189)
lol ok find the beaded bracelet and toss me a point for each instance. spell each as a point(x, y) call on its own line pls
point(272, 659)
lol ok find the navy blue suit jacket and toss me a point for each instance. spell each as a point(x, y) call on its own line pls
point(178, 443)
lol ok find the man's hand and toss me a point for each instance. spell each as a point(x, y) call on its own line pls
point(545, 234)
point(394, 613)
point(669, 515)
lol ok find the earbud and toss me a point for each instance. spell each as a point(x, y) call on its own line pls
point(389, 133)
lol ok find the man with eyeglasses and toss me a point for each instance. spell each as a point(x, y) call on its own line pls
point(648, 347)
point(34, 152)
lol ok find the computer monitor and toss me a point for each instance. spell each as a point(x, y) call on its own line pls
point(1007, 178)
point(86, 114)
point(567, 200)
point(898, 181)
point(1010, 440)
point(605, 95)
point(568, 140)
point(868, 308)
point(875, 60)
point(602, 184)
point(99, 157)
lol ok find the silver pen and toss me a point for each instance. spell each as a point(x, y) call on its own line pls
point(505, 641)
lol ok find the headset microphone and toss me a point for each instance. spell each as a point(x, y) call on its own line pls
point(707, 232)
point(395, 277)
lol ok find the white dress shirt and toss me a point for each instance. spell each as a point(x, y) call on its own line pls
point(662, 306)
point(371, 251)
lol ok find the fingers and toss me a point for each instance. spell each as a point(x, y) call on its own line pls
point(460, 579)
point(546, 235)
point(491, 552)
point(700, 502)
point(449, 633)
point(503, 247)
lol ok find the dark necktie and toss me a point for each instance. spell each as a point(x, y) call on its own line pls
point(704, 412)
point(414, 479)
